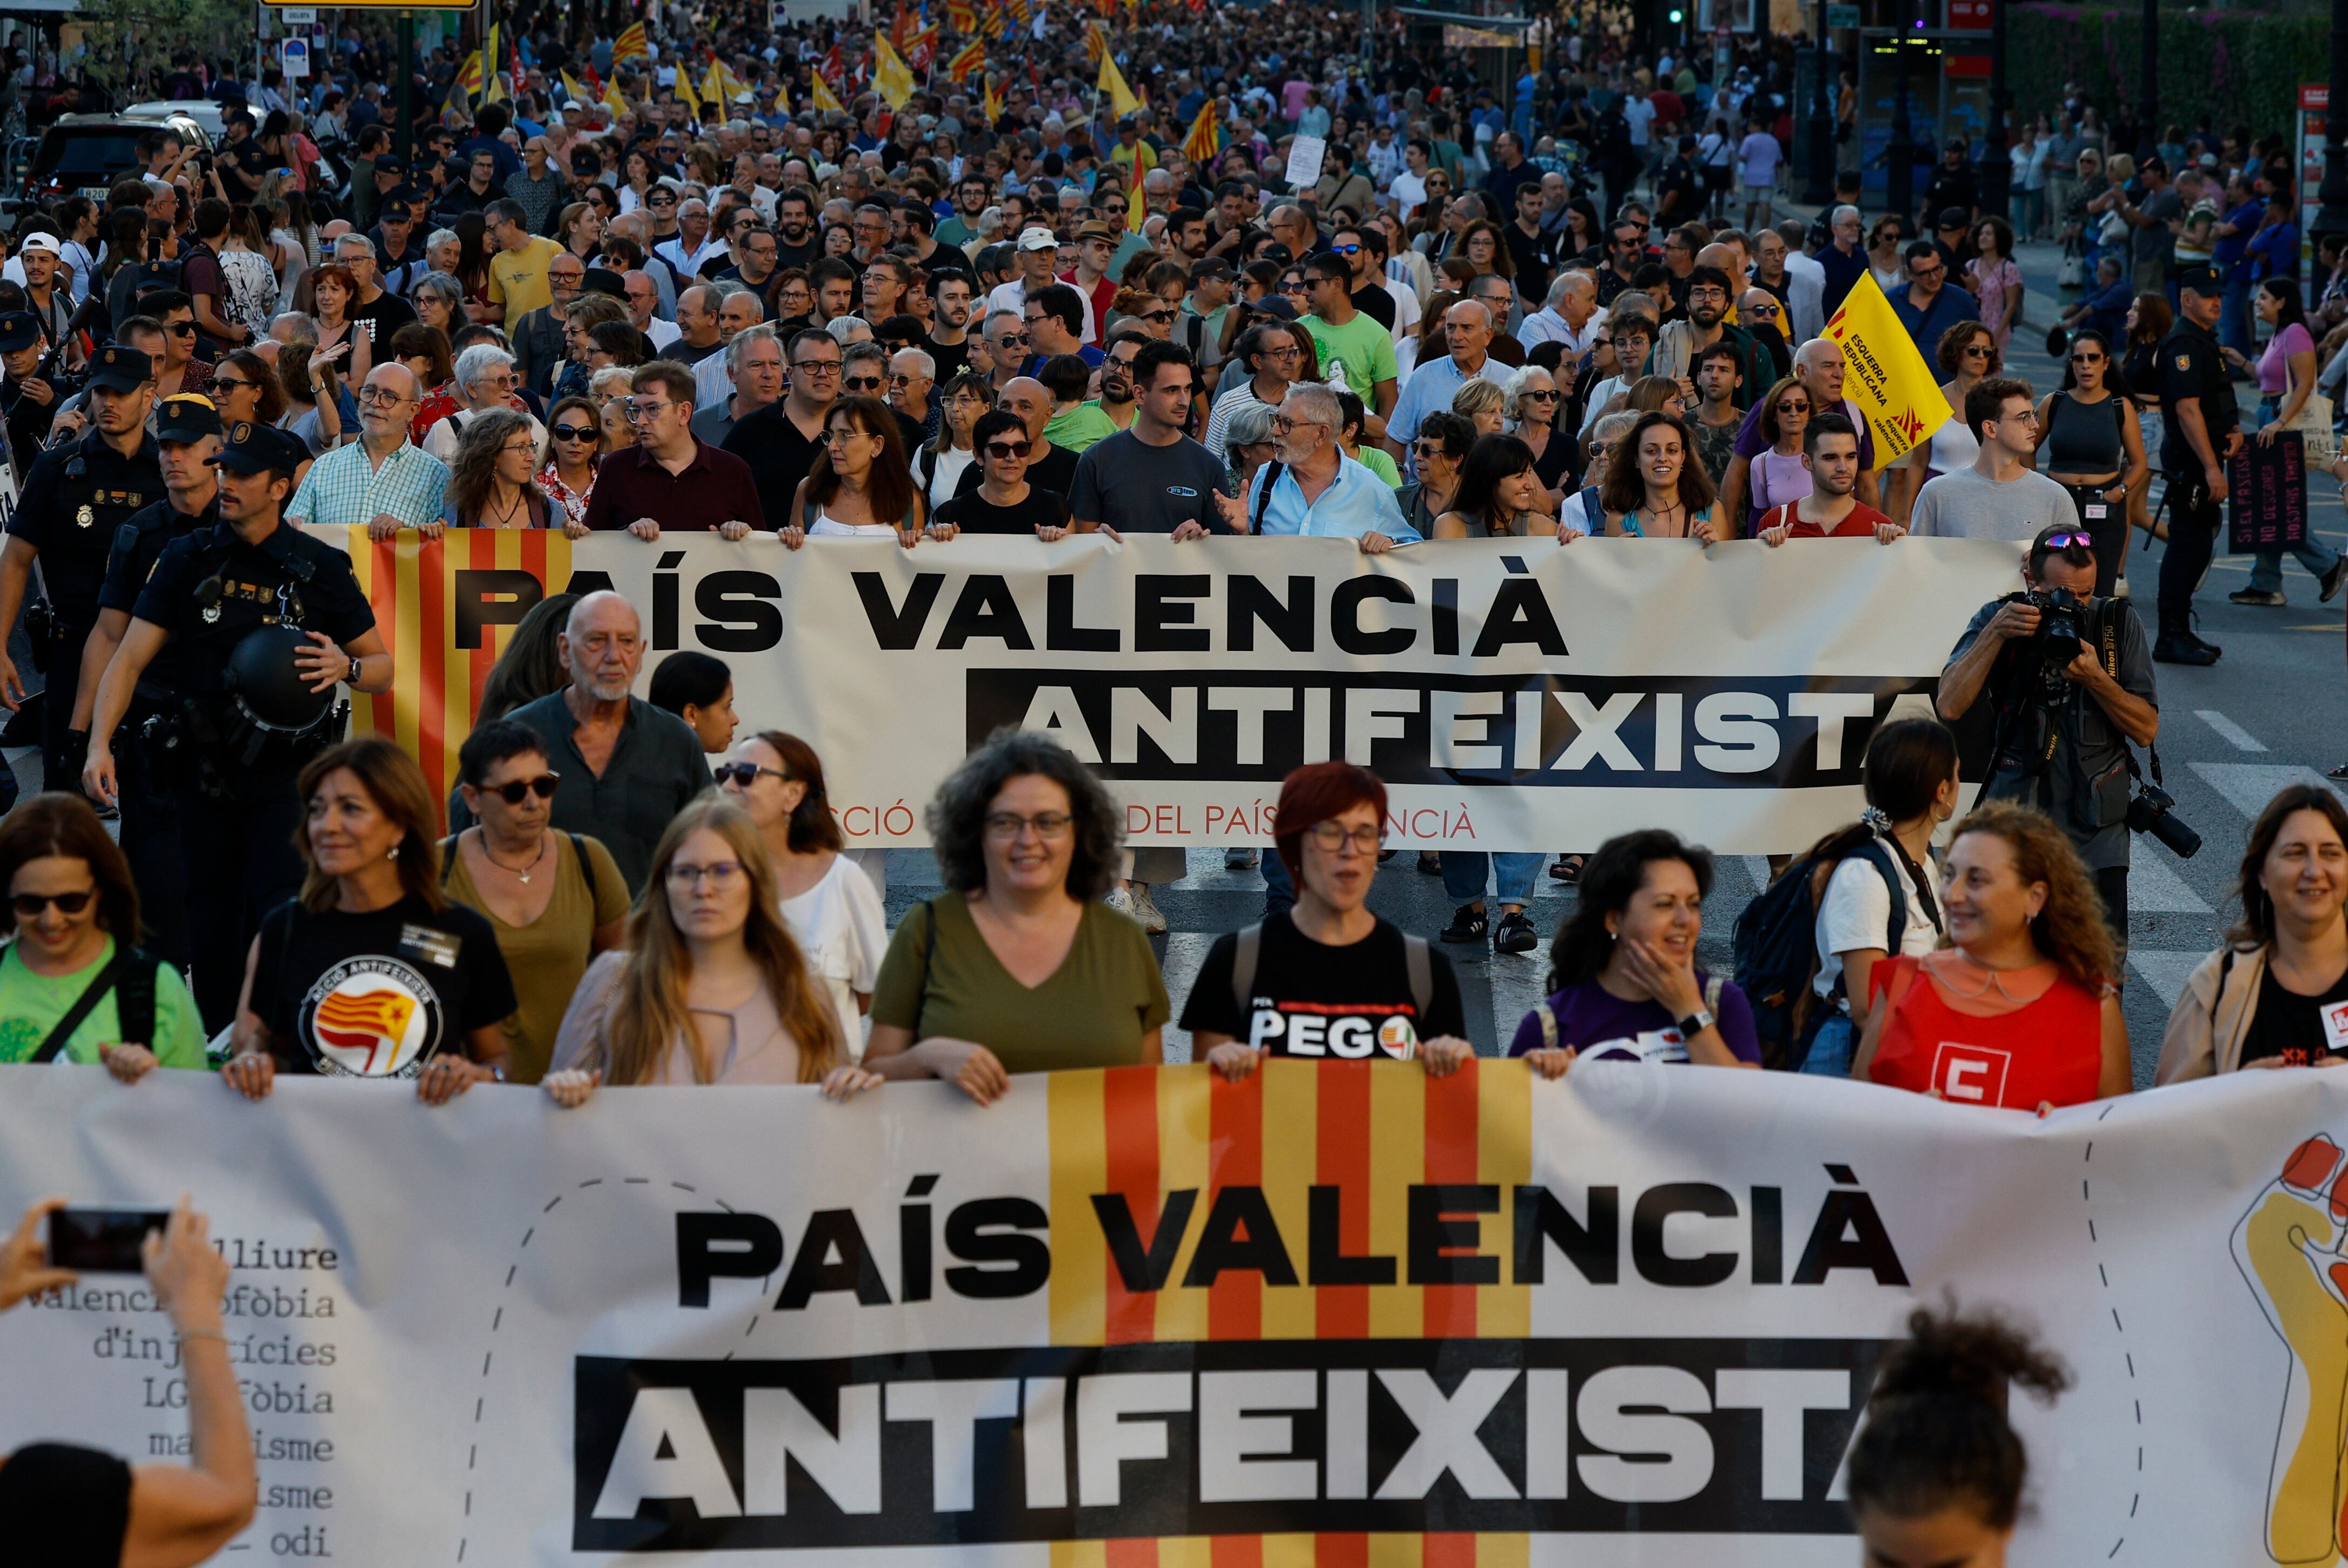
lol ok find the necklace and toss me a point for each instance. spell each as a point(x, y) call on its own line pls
point(522, 876)
point(519, 503)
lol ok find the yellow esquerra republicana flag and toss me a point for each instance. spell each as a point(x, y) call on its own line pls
point(1884, 375)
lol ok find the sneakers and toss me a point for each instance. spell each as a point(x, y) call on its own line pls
point(1514, 934)
point(1239, 860)
point(1468, 923)
point(2331, 578)
point(2267, 598)
point(1120, 899)
point(1145, 910)
point(2185, 648)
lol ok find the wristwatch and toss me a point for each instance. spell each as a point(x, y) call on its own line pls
point(353, 677)
point(1696, 1022)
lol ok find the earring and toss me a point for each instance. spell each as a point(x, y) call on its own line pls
point(393, 854)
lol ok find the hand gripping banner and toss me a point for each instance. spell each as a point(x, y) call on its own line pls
point(1514, 694)
point(1338, 1315)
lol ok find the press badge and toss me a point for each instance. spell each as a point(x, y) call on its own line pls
point(430, 946)
point(2335, 1028)
point(2096, 512)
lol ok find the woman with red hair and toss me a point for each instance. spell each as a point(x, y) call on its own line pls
point(1326, 979)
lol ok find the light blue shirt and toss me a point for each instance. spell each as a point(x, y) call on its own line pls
point(1356, 502)
point(345, 487)
point(1432, 385)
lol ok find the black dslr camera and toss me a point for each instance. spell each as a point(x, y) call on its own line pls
point(2152, 809)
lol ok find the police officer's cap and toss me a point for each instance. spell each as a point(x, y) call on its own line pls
point(253, 448)
point(19, 330)
point(121, 368)
point(186, 417)
point(2201, 281)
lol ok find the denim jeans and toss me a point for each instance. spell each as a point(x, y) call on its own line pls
point(2234, 315)
point(1831, 1047)
point(1465, 873)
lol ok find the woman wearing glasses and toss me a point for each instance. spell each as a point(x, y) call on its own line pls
point(1018, 966)
point(573, 452)
point(1146, 311)
point(555, 900)
point(1967, 352)
point(1437, 451)
point(244, 387)
point(2094, 448)
point(938, 466)
point(859, 486)
point(76, 912)
point(1777, 474)
point(709, 986)
point(490, 476)
point(828, 899)
point(1326, 979)
point(372, 972)
point(1532, 400)
point(1005, 503)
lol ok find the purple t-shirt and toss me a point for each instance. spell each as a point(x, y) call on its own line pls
point(1604, 1028)
point(2275, 365)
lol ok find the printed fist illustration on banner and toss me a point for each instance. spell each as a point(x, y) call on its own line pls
point(2293, 1249)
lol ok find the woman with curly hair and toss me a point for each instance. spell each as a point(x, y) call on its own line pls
point(1657, 489)
point(709, 987)
point(490, 476)
point(1018, 966)
point(1482, 243)
point(2018, 1009)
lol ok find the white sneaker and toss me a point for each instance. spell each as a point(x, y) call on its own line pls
point(1119, 900)
point(1239, 860)
point(1145, 910)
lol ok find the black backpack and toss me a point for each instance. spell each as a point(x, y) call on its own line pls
point(1777, 951)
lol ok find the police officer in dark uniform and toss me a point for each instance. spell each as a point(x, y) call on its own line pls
point(2200, 429)
point(216, 596)
point(188, 434)
point(29, 400)
point(73, 498)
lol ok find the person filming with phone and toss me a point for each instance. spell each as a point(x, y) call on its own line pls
point(62, 1506)
point(2068, 681)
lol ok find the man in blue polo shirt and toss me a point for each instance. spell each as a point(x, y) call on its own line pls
point(1929, 306)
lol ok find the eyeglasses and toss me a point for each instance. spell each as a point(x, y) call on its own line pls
point(1537, 396)
point(232, 384)
point(2088, 358)
point(1335, 836)
point(29, 906)
point(381, 397)
point(745, 774)
point(1764, 311)
point(718, 874)
point(1010, 825)
point(1154, 314)
point(1793, 406)
point(1282, 424)
point(1427, 451)
point(834, 438)
point(1982, 349)
point(1292, 288)
point(513, 789)
point(1003, 452)
point(1011, 340)
point(816, 366)
point(1345, 250)
point(660, 202)
point(862, 384)
point(181, 328)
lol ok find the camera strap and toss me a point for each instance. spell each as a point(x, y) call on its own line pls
point(2108, 613)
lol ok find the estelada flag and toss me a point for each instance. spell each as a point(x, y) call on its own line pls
point(1884, 375)
point(631, 44)
point(1204, 140)
point(963, 15)
point(971, 59)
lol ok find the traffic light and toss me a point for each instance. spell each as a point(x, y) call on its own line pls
point(1677, 16)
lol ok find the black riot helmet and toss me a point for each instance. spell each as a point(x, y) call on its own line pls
point(265, 687)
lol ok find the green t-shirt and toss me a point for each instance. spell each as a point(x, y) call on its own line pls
point(1080, 427)
point(1377, 461)
point(1091, 1012)
point(1364, 348)
point(32, 1004)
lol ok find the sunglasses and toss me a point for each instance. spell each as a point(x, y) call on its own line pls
point(512, 791)
point(861, 383)
point(182, 329)
point(231, 383)
point(1003, 451)
point(1156, 315)
point(1345, 250)
point(29, 906)
point(2054, 541)
point(745, 774)
point(574, 432)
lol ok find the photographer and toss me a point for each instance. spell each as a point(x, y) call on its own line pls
point(61, 1505)
point(2069, 681)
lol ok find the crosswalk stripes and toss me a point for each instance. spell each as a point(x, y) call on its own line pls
point(2233, 734)
point(2165, 970)
point(2249, 786)
point(2154, 888)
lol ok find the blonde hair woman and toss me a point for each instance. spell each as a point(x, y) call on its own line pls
point(1483, 405)
point(709, 986)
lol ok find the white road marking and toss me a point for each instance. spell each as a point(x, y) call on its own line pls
point(2235, 736)
point(2154, 888)
point(1757, 867)
point(2249, 786)
point(1184, 951)
point(2165, 972)
point(1516, 981)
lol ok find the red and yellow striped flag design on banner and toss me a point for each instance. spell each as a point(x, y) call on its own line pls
point(1372, 1131)
point(411, 582)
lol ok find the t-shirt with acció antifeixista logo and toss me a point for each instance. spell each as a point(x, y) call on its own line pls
point(376, 994)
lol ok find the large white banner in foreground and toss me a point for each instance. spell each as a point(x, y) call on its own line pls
point(1338, 1315)
point(1514, 694)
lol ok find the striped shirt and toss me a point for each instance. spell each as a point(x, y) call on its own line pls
point(346, 487)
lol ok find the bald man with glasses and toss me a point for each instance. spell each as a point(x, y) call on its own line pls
point(538, 342)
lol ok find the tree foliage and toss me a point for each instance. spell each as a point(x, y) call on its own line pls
point(2237, 67)
point(127, 40)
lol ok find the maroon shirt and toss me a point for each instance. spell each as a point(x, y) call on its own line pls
point(715, 488)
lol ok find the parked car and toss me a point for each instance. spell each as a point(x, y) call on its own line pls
point(85, 154)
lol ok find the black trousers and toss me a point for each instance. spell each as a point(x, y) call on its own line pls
point(63, 748)
point(2192, 540)
point(150, 835)
point(238, 858)
point(2111, 886)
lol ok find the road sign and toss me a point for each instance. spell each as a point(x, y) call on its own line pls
point(1842, 17)
point(298, 16)
point(293, 57)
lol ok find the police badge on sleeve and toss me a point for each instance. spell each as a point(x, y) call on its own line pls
point(371, 1017)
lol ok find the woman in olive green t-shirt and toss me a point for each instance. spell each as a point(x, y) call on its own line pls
point(1018, 966)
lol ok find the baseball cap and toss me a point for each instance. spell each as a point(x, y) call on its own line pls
point(2154, 162)
point(19, 330)
point(253, 448)
point(186, 417)
point(1212, 267)
point(1278, 255)
point(1272, 305)
point(1952, 218)
point(1038, 240)
point(2201, 281)
point(604, 281)
point(37, 240)
point(389, 166)
point(120, 368)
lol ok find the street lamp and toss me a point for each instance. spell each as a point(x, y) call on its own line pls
point(1997, 163)
point(1901, 178)
point(1822, 120)
point(2148, 78)
point(2331, 218)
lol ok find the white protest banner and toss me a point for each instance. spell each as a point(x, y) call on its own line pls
point(1623, 1319)
point(1513, 695)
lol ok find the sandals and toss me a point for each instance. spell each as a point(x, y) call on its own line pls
point(1566, 869)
